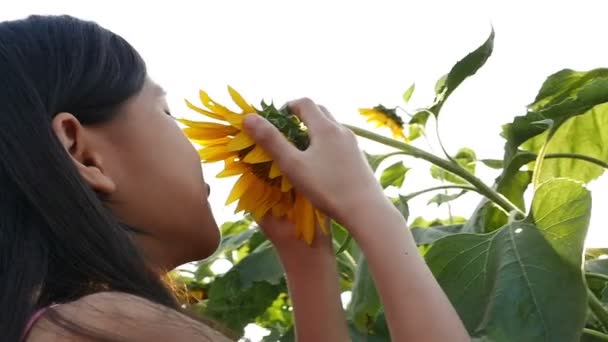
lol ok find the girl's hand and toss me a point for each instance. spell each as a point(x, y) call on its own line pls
point(292, 251)
point(332, 172)
point(312, 279)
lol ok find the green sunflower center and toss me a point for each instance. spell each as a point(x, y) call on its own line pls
point(391, 113)
point(289, 124)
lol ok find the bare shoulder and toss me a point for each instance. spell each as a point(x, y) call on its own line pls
point(118, 316)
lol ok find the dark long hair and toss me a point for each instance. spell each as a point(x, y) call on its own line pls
point(57, 240)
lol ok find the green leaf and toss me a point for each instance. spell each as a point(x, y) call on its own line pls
point(340, 234)
point(586, 134)
point(464, 68)
point(344, 244)
point(440, 84)
point(563, 95)
point(421, 222)
point(598, 286)
point(236, 307)
point(248, 289)
point(261, 265)
point(235, 227)
point(428, 235)
point(393, 175)
point(401, 204)
point(562, 208)
point(408, 93)
point(420, 118)
point(489, 217)
point(278, 318)
point(465, 158)
point(493, 163)
point(374, 160)
point(365, 303)
point(415, 131)
point(440, 199)
point(503, 284)
point(234, 241)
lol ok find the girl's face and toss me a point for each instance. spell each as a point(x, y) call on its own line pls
point(151, 177)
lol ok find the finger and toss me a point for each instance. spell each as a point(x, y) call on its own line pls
point(270, 139)
point(312, 116)
point(327, 113)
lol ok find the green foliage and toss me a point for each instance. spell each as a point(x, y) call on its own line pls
point(513, 271)
point(407, 95)
point(497, 279)
point(586, 134)
point(565, 94)
point(246, 291)
point(466, 67)
point(440, 199)
point(466, 158)
point(365, 305)
point(393, 175)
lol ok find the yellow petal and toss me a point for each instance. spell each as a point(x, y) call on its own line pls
point(203, 124)
point(232, 169)
point(274, 171)
point(252, 195)
point(282, 207)
point(285, 185)
point(204, 112)
point(256, 156)
point(235, 120)
point(366, 111)
point(263, 204)
point(298, 213)
point(215, 153)
point(215, 107)
point(274, 198)
point(239, 188)
point(219, 131)
point(308, 225)
point(212, 142)
point(322, 221)
point(240, 142)
point(271, 201)
point(240, 101)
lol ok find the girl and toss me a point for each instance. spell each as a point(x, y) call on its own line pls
point(101, 194)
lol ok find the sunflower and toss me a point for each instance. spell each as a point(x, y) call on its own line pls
point(385, 117)
point(260, 188)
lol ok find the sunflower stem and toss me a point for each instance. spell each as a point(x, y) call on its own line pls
point(598, 276)
point(441, 187)
point(600, 163)
point(594, 333)
point(454, 168)
point(598, 308)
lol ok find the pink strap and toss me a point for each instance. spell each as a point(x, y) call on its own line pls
point(35, 317)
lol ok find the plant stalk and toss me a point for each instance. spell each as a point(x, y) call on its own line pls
point(589, 159)
point(454, 168)
point(595, 333)
point(598, 308)
point(441, 187)
point(596, 276)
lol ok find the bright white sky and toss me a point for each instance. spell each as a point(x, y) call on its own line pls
point(352, 54)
